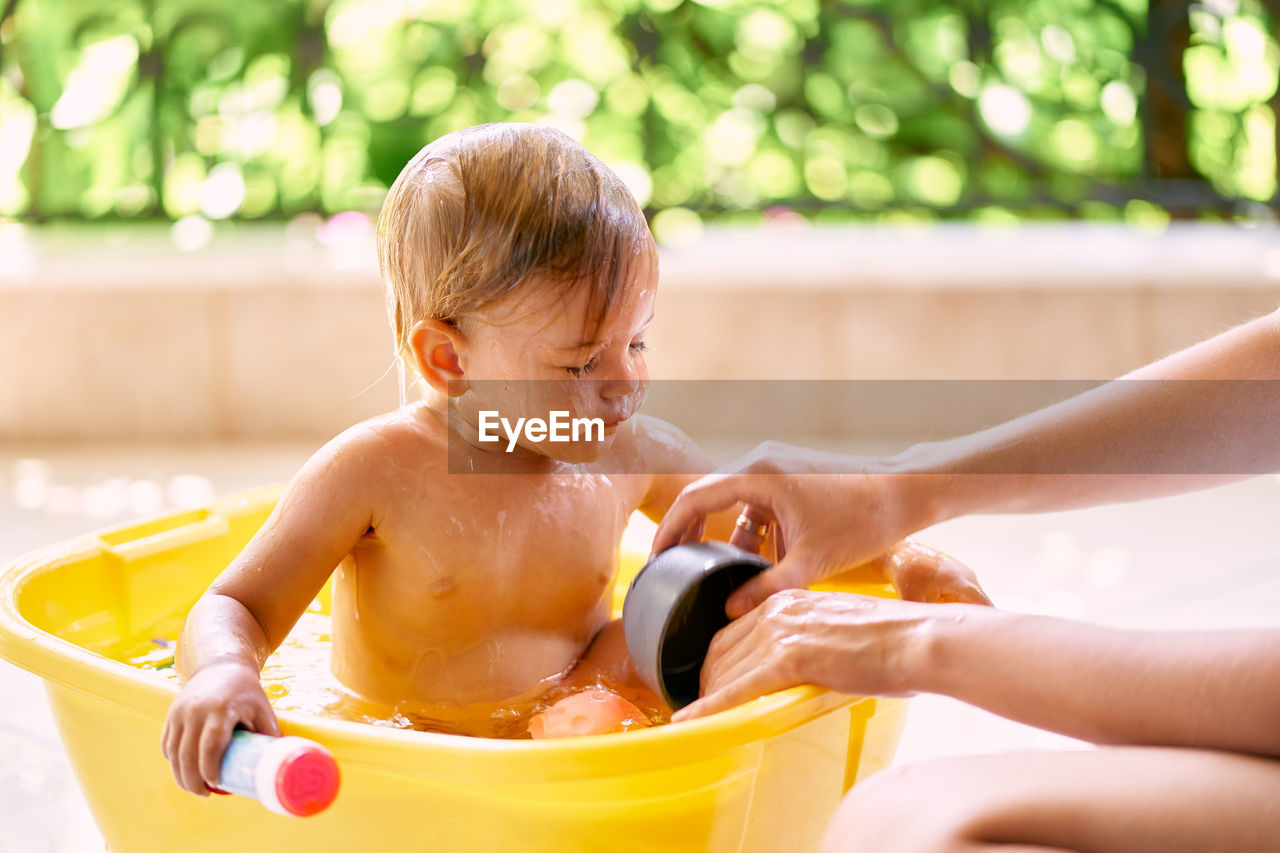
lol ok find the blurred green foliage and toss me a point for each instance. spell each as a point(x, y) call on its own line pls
point(719, 109)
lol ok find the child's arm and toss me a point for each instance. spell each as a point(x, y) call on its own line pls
point(675, 461)
point(1219, 690)
point(252, 605)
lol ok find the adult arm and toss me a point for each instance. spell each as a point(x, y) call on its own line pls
point(1218, 690)
point(918, 572)
point(1198, 418)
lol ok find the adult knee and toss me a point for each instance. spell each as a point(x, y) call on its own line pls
point(922, 808)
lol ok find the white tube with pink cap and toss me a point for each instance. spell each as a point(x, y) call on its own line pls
point(289, 775)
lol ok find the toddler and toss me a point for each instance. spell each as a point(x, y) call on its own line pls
point(472, 575)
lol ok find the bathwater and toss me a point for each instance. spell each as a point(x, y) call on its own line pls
point(297, 677)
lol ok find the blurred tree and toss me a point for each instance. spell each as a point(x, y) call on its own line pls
point(718, 109)
point(1161, 48)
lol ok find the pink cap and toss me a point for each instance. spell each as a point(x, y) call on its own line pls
point(307, 781)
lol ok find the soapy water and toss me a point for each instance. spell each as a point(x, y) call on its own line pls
point(296, 677)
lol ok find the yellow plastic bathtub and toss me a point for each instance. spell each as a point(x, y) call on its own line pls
point(761, 777)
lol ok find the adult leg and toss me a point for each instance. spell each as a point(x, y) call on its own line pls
point(1107, 800)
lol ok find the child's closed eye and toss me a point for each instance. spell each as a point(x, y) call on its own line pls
point(584, 369)
point(638, 346)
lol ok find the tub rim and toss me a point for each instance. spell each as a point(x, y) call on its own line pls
point(65, 664)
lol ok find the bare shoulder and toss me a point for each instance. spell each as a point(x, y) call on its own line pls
point(359, 459)
point(336, 499)
point(650, 445)
point(665, 457)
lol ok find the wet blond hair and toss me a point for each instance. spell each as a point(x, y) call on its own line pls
point(477, 211)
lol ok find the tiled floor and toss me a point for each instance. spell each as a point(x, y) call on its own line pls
point(1205, 560)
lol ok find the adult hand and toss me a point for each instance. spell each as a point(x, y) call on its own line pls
point(830, 512)
point(853, 644)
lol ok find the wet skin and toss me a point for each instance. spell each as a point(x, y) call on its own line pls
point(455, 593)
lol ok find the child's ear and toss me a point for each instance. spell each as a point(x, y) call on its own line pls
point(435, 345)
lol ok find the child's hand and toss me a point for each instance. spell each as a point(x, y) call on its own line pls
point(920, 573)
point(212, 702)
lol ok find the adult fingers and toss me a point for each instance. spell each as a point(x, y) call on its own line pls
point(728, 647)
point(747, 536)
point(733, 633)
point(792, 572)
point(696, 501)
point(751, 685)
point(737, 662)
point(693, 534)
point(779, 544)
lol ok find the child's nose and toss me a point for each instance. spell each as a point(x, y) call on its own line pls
point(614, 388)
point(622, 379)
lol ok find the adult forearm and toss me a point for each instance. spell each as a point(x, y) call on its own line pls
point(220, 629)
point(1199, 418)
point(1206, 689)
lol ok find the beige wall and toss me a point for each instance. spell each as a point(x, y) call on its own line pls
point(266, 334)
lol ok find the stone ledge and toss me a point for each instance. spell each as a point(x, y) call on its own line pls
point(266, 332)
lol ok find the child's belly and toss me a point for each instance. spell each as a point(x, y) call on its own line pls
point(456, 622)
point(445, 673)
point(603, 667)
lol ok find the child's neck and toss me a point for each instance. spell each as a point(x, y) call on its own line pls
point(468, 454)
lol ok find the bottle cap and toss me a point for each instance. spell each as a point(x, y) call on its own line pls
point(307, 781)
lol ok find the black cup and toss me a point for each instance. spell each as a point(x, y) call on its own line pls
point(675, 605)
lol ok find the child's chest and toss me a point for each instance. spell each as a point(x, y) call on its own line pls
point(488, 551)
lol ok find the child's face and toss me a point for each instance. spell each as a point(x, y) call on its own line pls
point(526, 357)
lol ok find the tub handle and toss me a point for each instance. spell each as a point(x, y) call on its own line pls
point(209, 527)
